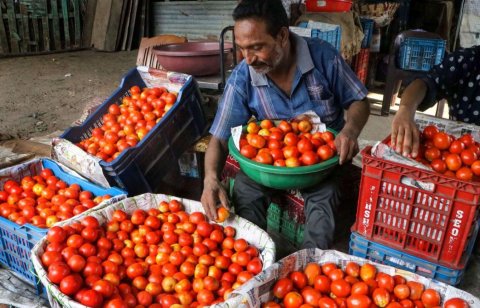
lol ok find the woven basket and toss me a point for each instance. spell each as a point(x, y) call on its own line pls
point(381, 13)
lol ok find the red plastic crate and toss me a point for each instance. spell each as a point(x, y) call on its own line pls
point(360, 64)
point(435, 224)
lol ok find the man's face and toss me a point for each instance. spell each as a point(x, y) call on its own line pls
point(260, 50)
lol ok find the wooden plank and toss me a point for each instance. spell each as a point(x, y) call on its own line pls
point(3, 34)
point(127, 24)
point(45, 28)
point(21, 34)
point(89, 18)
point(76, 19)
point(106, 24)
point(55, 26)
point(36, 34)
point(113, 26)
point(12, 26)
point(121, 26)
point(66, 26)
point(131, 27)
point(100, 23)
point(26, 29)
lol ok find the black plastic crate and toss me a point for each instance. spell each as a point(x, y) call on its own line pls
point(140, 169)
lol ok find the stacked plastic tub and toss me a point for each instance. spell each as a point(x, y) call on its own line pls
point(328, 32)
point(416, 219)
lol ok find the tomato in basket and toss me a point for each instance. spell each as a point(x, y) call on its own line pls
point(368, 288)
point(289, 144)
point(454, 157)
point(162, 255)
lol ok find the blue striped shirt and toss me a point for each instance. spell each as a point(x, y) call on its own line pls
point(323, 83)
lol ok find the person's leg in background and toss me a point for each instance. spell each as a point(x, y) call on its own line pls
point(325, 204)
point(251, 200)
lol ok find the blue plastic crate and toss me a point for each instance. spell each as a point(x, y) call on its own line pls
point(421, 54)
point(367, 25)
point(141, 168)
point(16, 242)
point(333, 37)
point(361, 247)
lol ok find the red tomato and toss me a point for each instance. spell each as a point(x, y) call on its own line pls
point(360, 288)
point(299, 279)
point(328, 136)
point(325, 152)
point(340, 288)
point(457, 147)
point(326, 302)
point(442, 140)
point(359, 301)
point(431, 298)
point(464, 174)
point(401, 291)
point(381, 297)
point(468, 157)
point(352, 269)
point(416, 290)
point(438, 165)
point(91, 298)
point(309, 158)
point(293, 300)
point(50, 257)
point(476, 167)
point(322, 283)
point(430, 131)
point(282, 287)
point(116, 303)
point(432, 154)
point(455, 303)
point(71, 284)
point(453, 161)
point(385, 281)
point(311, 296)
point(56, 235)
point(248, 151)
point(304, 145)
point(467, 139)
point(57, 271)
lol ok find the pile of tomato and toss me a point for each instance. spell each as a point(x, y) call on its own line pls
point(155, 258)
point(327, 286)
point(126, 124)
point(43, 200)
point(456, 158)
point(289, 144)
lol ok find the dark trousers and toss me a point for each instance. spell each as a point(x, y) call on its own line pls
point(322, 202)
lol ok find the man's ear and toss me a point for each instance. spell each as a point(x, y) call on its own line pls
point(283, 36)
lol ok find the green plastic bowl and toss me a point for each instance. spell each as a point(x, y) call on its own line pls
point(284, 177)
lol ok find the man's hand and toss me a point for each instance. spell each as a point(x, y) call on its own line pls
point(347, 145)
point(213, 194)
point(405, 135)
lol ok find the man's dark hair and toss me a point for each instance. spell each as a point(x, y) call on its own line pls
point(271, 12)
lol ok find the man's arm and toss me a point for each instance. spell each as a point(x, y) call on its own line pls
point(346, 141)
point(213, 191)
point(405, 135)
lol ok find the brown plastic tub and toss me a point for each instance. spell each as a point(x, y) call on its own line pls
point(193, 58)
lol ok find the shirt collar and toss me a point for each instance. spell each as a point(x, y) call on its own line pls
point(304, 61)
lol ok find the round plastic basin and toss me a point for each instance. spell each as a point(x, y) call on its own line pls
point(193, 58)
point(283, 177)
